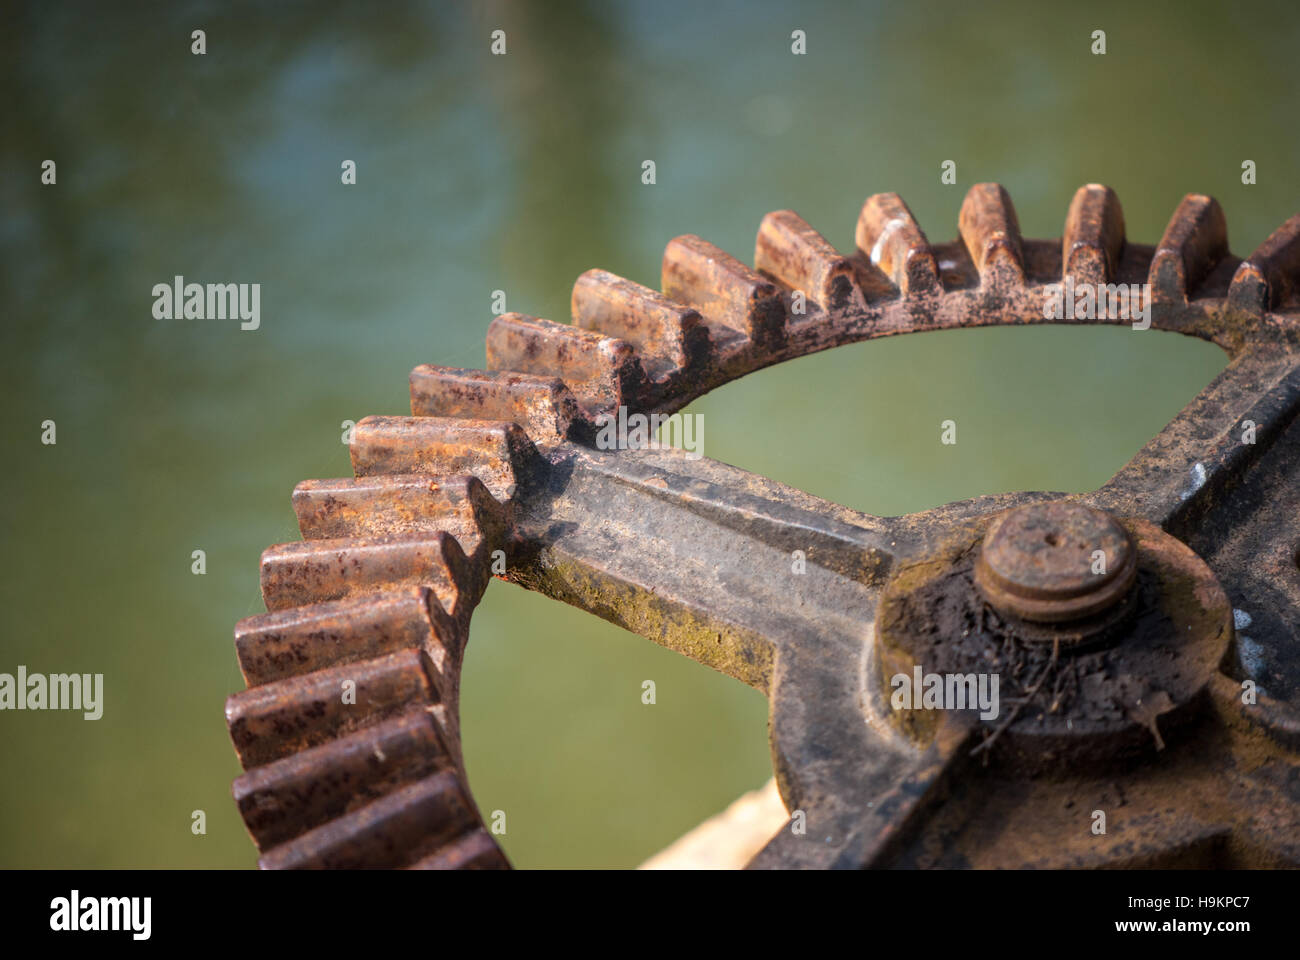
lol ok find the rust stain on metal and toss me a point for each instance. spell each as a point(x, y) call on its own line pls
point(1055, 562)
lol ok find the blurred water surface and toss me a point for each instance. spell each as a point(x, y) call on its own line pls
point(478, 173)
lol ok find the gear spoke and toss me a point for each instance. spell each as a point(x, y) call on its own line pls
point(704, 558)
point(1184, 473)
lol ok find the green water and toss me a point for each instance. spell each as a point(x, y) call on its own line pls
point(477, 173)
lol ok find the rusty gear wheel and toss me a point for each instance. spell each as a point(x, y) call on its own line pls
point(1166, 694)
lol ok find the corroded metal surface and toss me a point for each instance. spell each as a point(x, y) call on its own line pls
point(1055, 562)
point(1168, 699)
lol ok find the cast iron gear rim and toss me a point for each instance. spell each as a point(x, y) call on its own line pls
point(380, 591)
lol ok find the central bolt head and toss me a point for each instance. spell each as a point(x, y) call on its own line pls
point(1055, 562)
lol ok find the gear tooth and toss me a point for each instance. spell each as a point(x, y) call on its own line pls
point(272, 646)
point(890, 237)
point(283, 717)
point(317, 571)
point(289, 796)
point(794, 254)
point(1271, 275)
point(991, 232)
point(498, 452)
point(401, 828)
point(1094, 235)
point(393, 505)
point(543, 406)
point(474, 851)
point(446, 718)
point(1195, 240)
point(664, 333)
point(726, 292)
point(602, 372)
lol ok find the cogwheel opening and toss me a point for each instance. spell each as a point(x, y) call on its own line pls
point(936, 389)
point(569, 702)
